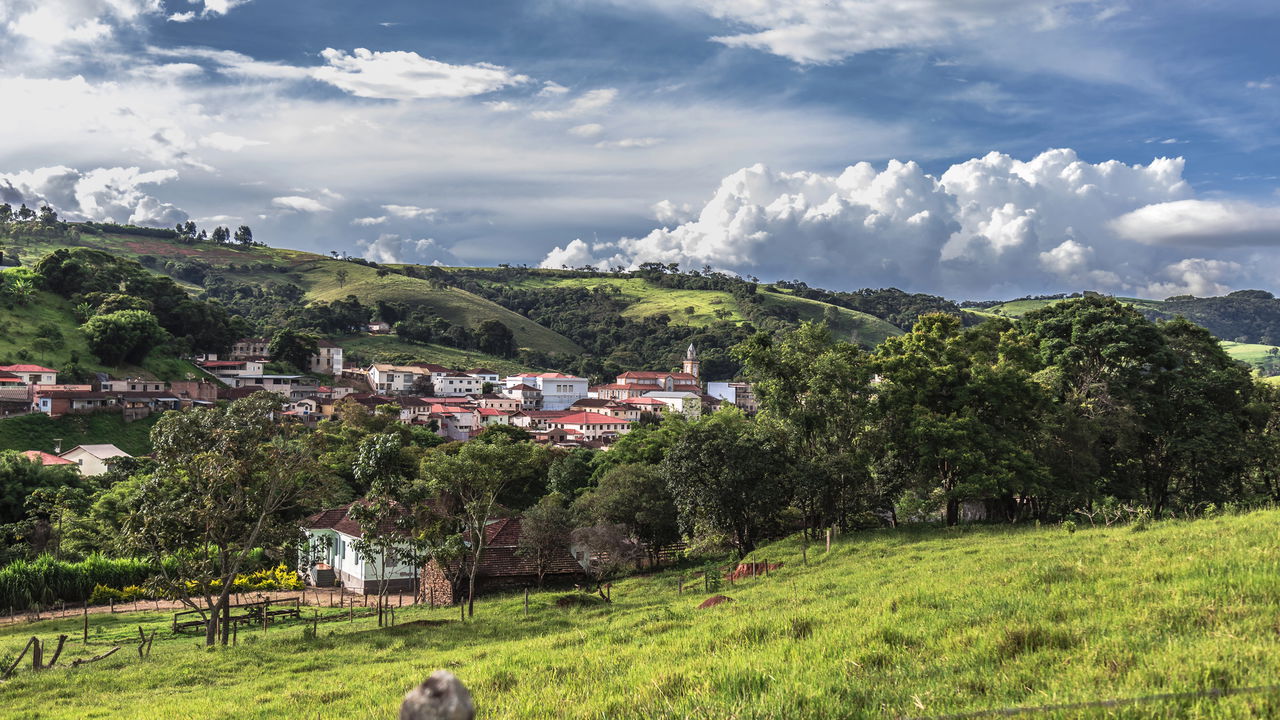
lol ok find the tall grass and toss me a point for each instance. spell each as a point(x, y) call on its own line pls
point(44, 581)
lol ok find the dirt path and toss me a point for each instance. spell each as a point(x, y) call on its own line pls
point(311, 597)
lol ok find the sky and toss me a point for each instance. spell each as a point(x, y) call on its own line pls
point(969, 148)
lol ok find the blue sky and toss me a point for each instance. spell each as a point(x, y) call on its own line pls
point(705, 132)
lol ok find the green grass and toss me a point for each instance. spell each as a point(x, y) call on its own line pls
point(36, 432)
point(1018, 308)
point(1248, 352)
point(370, 346)
point(914, 622)
point(20, 326)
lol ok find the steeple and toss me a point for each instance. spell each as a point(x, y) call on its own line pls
point(691, 362)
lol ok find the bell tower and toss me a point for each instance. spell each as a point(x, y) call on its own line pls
point(691, 362)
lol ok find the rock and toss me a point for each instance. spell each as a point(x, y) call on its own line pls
point(713, 601)
point(440, 697)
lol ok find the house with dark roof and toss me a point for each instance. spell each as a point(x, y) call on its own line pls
point(502, 566)
point(331, 538)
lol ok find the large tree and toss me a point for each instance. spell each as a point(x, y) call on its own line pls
point(295, 348)
point(473, 478)
point(729, 475)
point(227, 480)
point(544, 532)
point(636, 497)
point(123, 336)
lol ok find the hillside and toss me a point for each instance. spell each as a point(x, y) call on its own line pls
point(917, 622)
point(36, 432)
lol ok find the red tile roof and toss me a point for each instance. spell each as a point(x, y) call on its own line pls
point(339, 519)
point(588, 418)
point(46, 458)
point(654, 375)
point(27, 368)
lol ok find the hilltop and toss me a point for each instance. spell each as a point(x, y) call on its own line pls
point(918, 621)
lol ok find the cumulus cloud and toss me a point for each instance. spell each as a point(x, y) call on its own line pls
point(299, 203)
point(402, 75)
point(825, 31)
point(102, 194)
point(53, 23)
point(1201, 222)
point(389, 248)
point(369, 221)
point(667, 212)
point(1054, 221)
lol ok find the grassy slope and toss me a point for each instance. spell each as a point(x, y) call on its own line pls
point(36, 432)
point(370, 346)
point(1018, 308)
point(647, 299)
point(317, 275)
point(1247, 352)
point(915, 622)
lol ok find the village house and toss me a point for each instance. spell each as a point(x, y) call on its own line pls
point(612, 408)
point(395, 379)
point(379, 327)
point(32, 374)
point(537, 419)
point(133, 385)
point(457, 384)
point(529, 396)
point(292, 387)
point(45, 458)
point(94, 459)
point(591, 426)
point(739, 394)
point(224, 369)
point(255, 348)
point(331, 540)
point(490, 416)
point(688, 403)
point(558, 390)
point(327, 360)
point(498, 402)
point(638, 383)
point(502, 567)
point(485, 375)
point(133, 405)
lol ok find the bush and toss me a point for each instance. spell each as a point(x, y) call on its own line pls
point(1069, 526)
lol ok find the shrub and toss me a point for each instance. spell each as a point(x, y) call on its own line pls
point(1069, 526)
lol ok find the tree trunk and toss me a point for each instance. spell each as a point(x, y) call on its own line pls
point(953, 512)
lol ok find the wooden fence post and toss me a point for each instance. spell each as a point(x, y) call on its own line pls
point(86, 622)
point(679, 586)
point(828, 539)
point(113, 605)
point(526, 601)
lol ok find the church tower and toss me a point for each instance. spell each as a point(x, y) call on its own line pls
point(691, 362)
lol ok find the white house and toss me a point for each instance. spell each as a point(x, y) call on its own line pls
point(32, 374)
point(559, 391)
point(590, 425)
point(328, 359)
point(93, 459)
point(456, 384)
point(134, 385)
point(689, 403)
point(485, 375)
point(331, 539)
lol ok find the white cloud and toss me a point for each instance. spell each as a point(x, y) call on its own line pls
point(369, 221)
point(502, 106)
point(668, 213)
point(988, 223)
point(47, 24)
point(411, 212)
point(401, 75)
point(1263, 84)
point(1194, 276)
point(825, 31)
point(575, 254)
point(103, 194)
point(182, 17)
point(628, 143)
point(1210, 223)
point(388, 248)
point(588, 130)
point(592, 101)
point(298, 203)
point(228, 143)
point(552, 89)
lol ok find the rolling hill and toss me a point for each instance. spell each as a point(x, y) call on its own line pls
point(914, 622)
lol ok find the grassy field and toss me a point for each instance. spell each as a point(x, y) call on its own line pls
point(1248, 352)
point(317, 275)
point(370, 346)
point(36, 432)
point(907, 623)
point(699, 307)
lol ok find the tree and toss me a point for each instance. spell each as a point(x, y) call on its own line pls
point(609, 549)
point(820, 392)
point(495, 338)
point(636, 497)
point(123, 336)
point(475, 477)
point(20, 477)
point(48, 216)
point(295, 348)
point(571, 472)
point(341, 275)
point(227, 480)
point(728, 475)
point(25, 214)
point(244, 235)
point(6, 213)
point(379, 466)
point(544, 532)
point(221, 235)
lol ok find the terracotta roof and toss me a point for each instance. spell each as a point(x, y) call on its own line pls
point(558, 376)
point(45, 458)
point(654, 375)
point(491, 412)
point(27, 368)
point(594, 402)
point(588, 418)
point(500, 558)
point(525, 388)
point(339, 519)
point(547, 414)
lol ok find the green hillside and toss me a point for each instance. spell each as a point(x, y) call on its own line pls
point(1018, 308)
point(378, 348)
point(36, 432)
point(699, 308)
point(917, 622)
point(317, 276)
